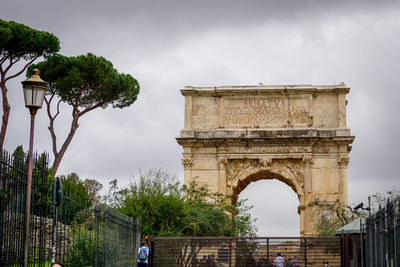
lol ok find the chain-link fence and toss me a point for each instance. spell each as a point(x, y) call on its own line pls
point(85, 234)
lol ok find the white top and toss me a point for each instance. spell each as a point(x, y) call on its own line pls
point(279, 261)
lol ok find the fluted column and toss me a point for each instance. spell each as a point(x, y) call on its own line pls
point(222, 162)
point(343, 162)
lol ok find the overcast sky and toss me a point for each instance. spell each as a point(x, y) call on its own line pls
point(167, 45)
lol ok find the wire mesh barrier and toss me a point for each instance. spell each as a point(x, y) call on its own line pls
point(82, 234)
point(383, 237)
point(246, 252)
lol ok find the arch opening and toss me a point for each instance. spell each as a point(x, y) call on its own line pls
point(243, 183)
point(275, 206)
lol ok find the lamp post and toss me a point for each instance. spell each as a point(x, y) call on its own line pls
point(361, 206)
point(34, 93)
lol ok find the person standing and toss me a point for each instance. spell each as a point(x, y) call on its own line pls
point(143, 255)
point(279, 260)
point(326, 264)
point(296, 261)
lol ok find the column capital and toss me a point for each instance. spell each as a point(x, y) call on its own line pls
point(343, 161)
point(187, 163)
point(222, 162)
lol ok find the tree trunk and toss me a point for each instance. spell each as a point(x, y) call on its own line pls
point(6, 114)
point(60, 154)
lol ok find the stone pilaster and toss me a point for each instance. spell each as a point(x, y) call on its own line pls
point(343, 162)
point(187, 167)
point(222, 162)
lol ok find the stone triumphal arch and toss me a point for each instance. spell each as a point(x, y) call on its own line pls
point(235, 135)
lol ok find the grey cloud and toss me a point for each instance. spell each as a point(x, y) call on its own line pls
point(169, 44)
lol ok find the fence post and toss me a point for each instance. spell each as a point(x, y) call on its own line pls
point(105, 217)
point(305, 251)
point(361, 243)
point(230, 253)
point(394, 234)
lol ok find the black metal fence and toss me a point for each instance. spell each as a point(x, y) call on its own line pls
point(383, 237)
point(246, 252)
point(85, 234)
point(13, 180)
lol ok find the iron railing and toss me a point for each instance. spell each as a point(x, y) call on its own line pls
point(246, 251)
point(13, 180)
point(85, 234)
point(383, 237)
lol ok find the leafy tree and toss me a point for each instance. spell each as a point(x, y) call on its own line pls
point(19, 42)
point(85, 82)
point(379, 200)
point(19, 156)
point(330, 216)
point(76, 198)
point(42, 182)
point(165, 208)
point(93, 188)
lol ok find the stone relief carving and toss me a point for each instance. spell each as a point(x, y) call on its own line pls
point(266, 163)
point(187, 163)
point(295, 169)
point(264, 113)
point(291, 170)
point(299, 115)
point(320, 149)
point(343, 161)
point(237, 167)
point(222, 163)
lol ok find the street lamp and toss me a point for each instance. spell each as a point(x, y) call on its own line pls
point(361, 206)
point(34, 93)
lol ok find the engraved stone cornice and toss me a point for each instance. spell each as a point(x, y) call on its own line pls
point(269, 137)
point(268, 133)
point(263, 89)
point(187, 163)
point(343, 161)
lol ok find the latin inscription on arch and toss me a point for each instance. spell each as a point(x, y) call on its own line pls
point(265, 112)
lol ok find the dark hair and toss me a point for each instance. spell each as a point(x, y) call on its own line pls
point(142, 243)
point(279, 254)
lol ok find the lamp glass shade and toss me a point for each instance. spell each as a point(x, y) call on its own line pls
point(34, 96)
point(34, 91)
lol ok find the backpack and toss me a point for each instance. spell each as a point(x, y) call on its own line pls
point(142, 254)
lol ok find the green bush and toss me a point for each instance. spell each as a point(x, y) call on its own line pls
point(84, 248)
